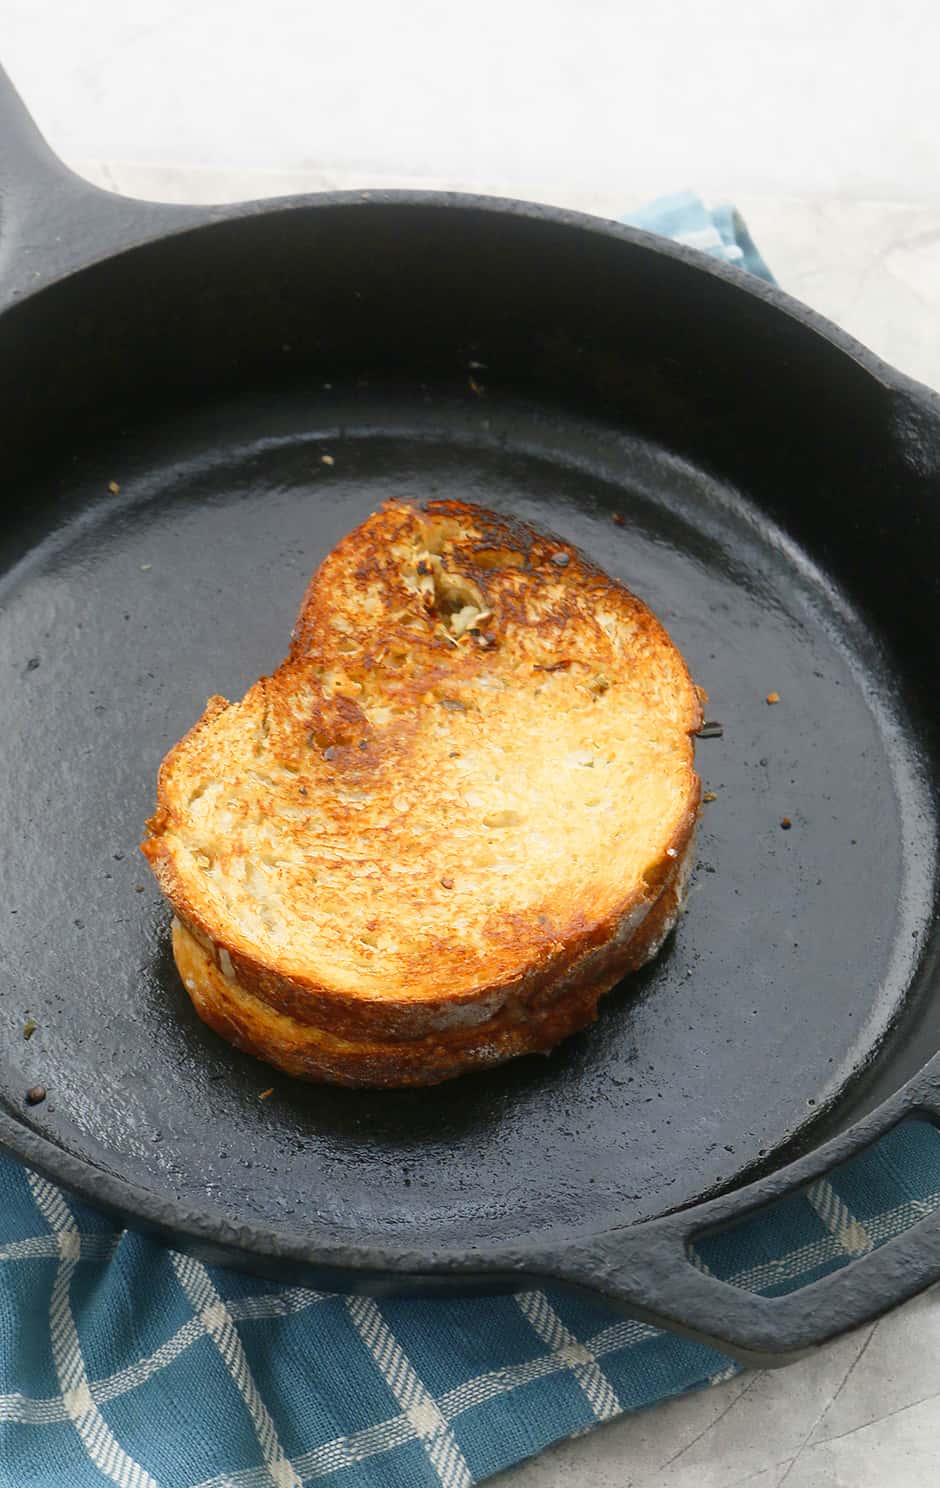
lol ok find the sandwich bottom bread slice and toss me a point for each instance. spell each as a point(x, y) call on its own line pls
point(459, 812)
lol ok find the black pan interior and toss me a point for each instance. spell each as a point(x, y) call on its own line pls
point(797, 982)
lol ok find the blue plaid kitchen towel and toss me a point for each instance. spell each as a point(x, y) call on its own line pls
point(122, 1361)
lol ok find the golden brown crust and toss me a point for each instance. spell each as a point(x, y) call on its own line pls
point(308, 1052)
point(444, 661)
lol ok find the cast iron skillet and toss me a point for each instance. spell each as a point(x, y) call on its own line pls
point(170, 380)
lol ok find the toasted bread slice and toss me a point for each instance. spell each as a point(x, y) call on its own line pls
point(459, 812)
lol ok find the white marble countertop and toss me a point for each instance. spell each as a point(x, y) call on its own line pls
point(822, 123)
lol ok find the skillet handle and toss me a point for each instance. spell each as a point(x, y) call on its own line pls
point(646, 1270)
point(53, 221)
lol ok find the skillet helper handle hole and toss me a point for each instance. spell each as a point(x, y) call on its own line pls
point(825, 1225)
point(769, 1273)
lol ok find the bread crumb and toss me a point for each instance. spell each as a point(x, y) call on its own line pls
point(327, 460)
point(265, 1093)
point(709, 796)
point(786, 823)
point(113, 487)
point(773, 697)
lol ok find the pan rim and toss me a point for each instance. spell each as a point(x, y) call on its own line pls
point(211, 1229)
point(164, 222)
